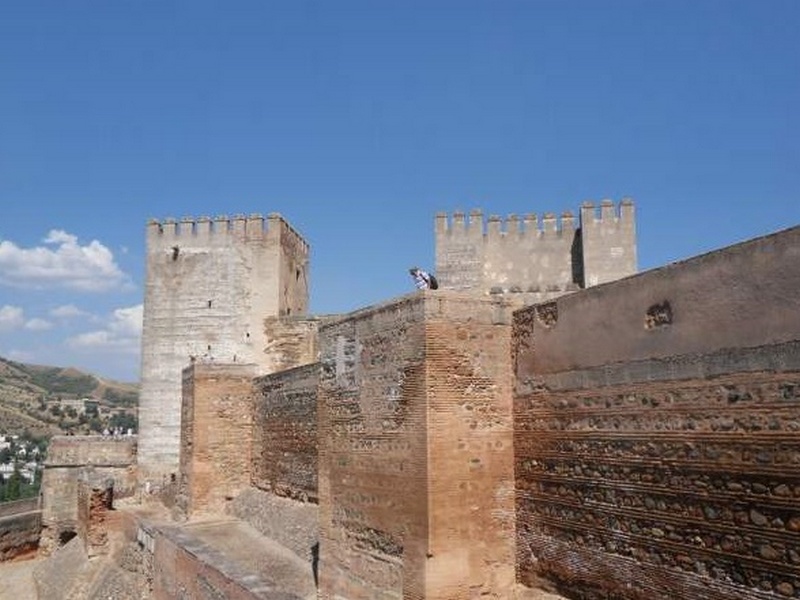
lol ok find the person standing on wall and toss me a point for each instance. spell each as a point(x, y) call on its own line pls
point(423, 280)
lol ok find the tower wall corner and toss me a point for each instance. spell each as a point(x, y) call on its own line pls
point(608, 241)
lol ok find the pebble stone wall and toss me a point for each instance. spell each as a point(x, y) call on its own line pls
point(659, 459)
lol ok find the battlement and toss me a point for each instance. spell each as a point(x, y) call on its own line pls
point(543, 255)
point(494, 227)
point(251, 227)
point(608, 213)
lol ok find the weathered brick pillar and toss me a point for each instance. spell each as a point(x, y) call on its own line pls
point(216, 435)
point(95, 498)
point(416, 456)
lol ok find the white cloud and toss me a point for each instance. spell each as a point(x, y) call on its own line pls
point(61, 262)
point(19, 355)
point(67, 311)
point(122, 333)
point(11, 317)
point(37, 324)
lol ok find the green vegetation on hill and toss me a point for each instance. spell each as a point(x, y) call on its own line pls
point(116, 397)
point(46, 400)
point(63, 381)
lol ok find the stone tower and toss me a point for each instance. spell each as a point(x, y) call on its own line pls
point(210, 285)
point(534, 259)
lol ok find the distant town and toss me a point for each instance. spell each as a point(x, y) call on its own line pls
point(21, 462)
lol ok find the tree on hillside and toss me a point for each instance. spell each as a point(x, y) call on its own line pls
point(123, 420)
point(13, 487)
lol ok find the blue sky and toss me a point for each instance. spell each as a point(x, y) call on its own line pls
point(358, 121)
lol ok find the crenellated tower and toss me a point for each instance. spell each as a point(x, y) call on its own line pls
point(533, 258)
point(608, 240)
point(210, 285)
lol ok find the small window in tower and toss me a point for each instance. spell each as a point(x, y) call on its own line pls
point(209, 304)
point(297, 275)
point(248, 335)
point(175, 251)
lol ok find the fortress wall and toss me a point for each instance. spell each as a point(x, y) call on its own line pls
point(67, 458)
point(291, 523)
point(373, 480)
point(294, 272)
point(656, 425)
point(94, 499)
point(285, 433)
point(516, 254)
point(216, 435)
point(210, 284)
point(91, 450)
point(738, 297)
point(292, 342)
point(187, 568)
point(535, 258)
point(608, 241)
point(416, 467)
point(470, 549)
point(19, 533)
point(460, 252)
point(16, 507)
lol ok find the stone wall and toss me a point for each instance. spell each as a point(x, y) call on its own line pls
point(607, 241)
point(292, 342)
point(416, 466)
point(95, 500)
point(186, 567)
point(285, 433)
point(292, 524)
point(216, 435)
point(209, 286)
point(656, 425)
point(532, 259)
point(67, 458)
point(20, 527)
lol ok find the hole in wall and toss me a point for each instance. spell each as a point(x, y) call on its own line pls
point(547, 314)
point(658, 315)
point(65, 536)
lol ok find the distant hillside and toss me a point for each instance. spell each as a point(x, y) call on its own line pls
point(46, 400)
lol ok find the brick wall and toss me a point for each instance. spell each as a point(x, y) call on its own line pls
point(656, 429)
point(416, 470)
point(285, 433)
point(95, 498)
point(216, 435)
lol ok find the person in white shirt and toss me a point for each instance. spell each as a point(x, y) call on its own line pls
point(422, 279)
